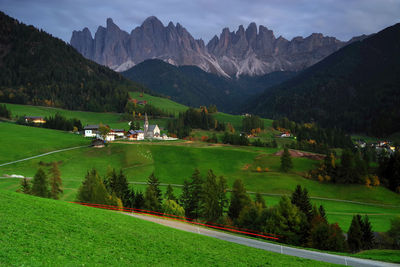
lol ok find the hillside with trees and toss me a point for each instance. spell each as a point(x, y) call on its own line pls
point(356, 89)
point(194, 87)
point(39, 69)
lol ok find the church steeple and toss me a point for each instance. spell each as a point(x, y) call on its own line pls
point(146, 124)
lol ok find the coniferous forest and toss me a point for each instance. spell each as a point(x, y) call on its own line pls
point(38, 69)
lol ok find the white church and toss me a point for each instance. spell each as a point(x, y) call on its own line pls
point(150, 131)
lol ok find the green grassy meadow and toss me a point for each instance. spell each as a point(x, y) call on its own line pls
point(43, 232)
point(174, 162)
point(162, 103)
point(112, 119)
point(21, 141)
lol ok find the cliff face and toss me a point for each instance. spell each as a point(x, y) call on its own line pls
point(248, 51)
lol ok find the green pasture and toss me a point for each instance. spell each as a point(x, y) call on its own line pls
point(19, 142)
point(175, 162)
point(159, 102)
point(43, 232)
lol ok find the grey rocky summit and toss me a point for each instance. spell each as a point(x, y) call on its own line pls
point(248, 51)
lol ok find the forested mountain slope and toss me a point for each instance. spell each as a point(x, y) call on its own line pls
point(357, 88)
point(38, 69)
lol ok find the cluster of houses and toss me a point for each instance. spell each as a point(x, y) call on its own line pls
point(149, 132)
point(379, 146)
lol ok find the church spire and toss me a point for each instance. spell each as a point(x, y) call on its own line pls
point(146, 124)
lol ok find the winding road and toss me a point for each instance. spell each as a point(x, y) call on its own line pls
point(303, 253)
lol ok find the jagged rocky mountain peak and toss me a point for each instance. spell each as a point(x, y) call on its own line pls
point(250, 51)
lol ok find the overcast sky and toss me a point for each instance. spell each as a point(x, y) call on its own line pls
point(205, 18)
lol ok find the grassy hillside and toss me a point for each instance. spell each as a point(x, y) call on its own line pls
point(21, 141)
point(159, 102)
point(43, 232)
point(174, 162)
point(112, 119)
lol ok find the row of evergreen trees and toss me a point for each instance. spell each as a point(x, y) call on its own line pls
point(4, 112)
point(48, 185)
point(252, 122)
point(193, 119)
point(134, 109)
point(57, 122)
point(312, 133)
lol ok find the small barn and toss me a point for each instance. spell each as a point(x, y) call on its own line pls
point(97, 143)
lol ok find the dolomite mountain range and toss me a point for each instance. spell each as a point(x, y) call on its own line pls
point(251, 51)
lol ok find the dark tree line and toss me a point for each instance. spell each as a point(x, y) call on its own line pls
point(47, 185)
point(133, 110)
point(57, 122)
point(193, 119)
point(389, 170)
point(294, 219)
point(312, 137)
point(352, 169)
point(252, 122)
point(4, 112)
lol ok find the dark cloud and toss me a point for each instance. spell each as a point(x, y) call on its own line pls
point(205, 18)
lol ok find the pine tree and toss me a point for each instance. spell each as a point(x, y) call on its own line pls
point(191, 195)
point(139, 200)
point(286, 160)
point(185, 199)
point(297, 195)
point(169, 194)
point(301, 199)
point(40, 184)
point(222, 198)
point(151, 201)
point(368, 238)
point(210, 200)
point(260, 200)
point(55, 181)
point(129, 198)
point(322, 212)
point(239, 199)
point(25, 186)
point(93, 190)
point(154, 184)
point(354, 235)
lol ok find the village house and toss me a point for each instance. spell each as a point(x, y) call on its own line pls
point(286, 134)
point(98, 143)
point(34, 119)
point(91, 130)
point(135, 135)
point(118, 133)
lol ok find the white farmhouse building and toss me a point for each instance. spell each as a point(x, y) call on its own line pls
point(91, 130)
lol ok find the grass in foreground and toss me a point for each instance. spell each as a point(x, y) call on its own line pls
point(380, 255)
point(42, 232)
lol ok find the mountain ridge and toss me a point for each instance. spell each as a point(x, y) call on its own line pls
point(357, 88)
point(251, 51)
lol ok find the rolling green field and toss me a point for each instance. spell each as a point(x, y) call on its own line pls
point(159, 102)
point(44, 232)
point(21, 141)
point(86, 117)
point(173, 162)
